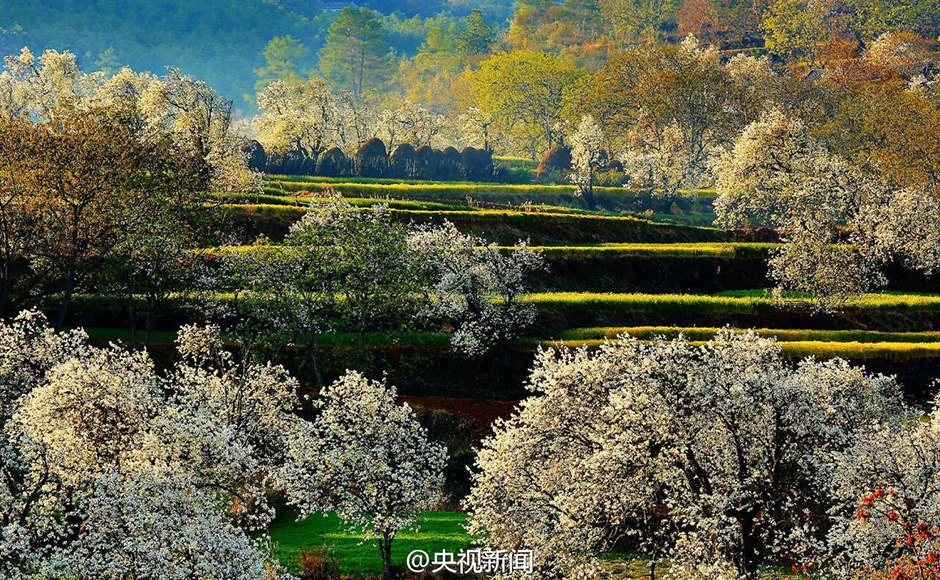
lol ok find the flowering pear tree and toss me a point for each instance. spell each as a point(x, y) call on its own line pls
point(722, 443)
point(587, 150)
point(141, 525)
point(372, 462)
point(476, 286)
point(38, 88)
point(110, 468)
point(34, 87)
point(299, 117)
point(370, 263)
point(887, 491)
point(841, 224)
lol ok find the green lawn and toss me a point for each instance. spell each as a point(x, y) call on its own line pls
point(437, 531)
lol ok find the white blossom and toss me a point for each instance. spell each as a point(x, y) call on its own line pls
point(372, 463)
point(709, 454)
point(476, 287)
point(841, 224)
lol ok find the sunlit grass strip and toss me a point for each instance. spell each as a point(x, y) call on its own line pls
point(584, 301)
point(437, 531)
point(611, 302)
point(664, 250)
point(407, 339)
point(438, 187)
point(781, 334)
point(359, 202)
point(882, 351)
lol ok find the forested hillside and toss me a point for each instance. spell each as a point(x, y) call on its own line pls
point(219, 41)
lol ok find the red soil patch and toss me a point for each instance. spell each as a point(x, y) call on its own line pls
point(482, 411)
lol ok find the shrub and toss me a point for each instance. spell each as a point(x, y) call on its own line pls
point(318, 563)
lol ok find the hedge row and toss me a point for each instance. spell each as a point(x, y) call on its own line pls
point(887, 312)
point(858, 345)
point(897, 352)
point(562, 311)
point(728, 250)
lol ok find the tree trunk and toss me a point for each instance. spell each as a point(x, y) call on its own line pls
point(316, 366)
point(385, 547)
point(66, 300)
point(747, 567)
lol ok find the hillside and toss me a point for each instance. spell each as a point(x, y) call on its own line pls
point(219, 41)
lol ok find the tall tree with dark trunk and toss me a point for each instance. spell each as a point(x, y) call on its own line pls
point(356, 55)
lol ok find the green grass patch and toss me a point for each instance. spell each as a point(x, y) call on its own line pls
point(719, 303)
point(638, 250)
point(437, 531)
point(665, 250)
point(305, 201)
point(856, 351)
point(572, 226)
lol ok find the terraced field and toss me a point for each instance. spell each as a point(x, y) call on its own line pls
point(608, 275)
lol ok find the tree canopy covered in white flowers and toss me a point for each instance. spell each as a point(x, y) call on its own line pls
point(343, 267)
point(372, 463)
point(587, 152)
point(841, 223)
point(113, 469)
point(476, 286)
point(198, 118)
point(718, 448)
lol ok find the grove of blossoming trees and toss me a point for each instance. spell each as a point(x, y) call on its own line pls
point(841, 223)
point(114, 469)
point(277, 313)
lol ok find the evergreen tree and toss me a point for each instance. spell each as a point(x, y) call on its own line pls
point(356, 55)
point(477, 36)
point(281, 54)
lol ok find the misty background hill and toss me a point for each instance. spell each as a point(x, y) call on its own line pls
point(219, 41)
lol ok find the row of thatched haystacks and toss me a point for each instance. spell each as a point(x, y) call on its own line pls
point(372, 160)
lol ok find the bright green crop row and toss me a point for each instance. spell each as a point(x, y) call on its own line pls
point(304, 201)
point(487, 215)
point(897, 346)
point(700, 303)
point(452, 188)
point(664, 250)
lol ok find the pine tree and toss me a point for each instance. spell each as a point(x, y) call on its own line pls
point(281, 54)
point(356, 55)
point(476, 35)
